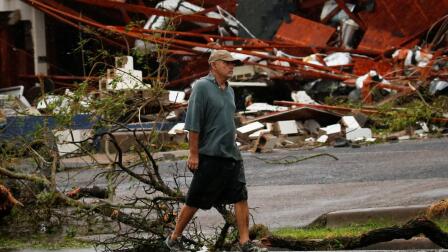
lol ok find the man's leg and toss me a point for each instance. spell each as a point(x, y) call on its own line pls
point(242, 220)
point(185, 215)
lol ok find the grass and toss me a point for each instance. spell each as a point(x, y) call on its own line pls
point(347, 231)
point(41, 242)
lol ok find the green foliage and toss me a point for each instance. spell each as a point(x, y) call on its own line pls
point(258, 231)
point(390, 119)
point(45, 198)
point(233, 235)
point(9, 151)
point(134, 24)
point(93, 50)
point(111, 107)
point(441, 104)
point(41, 242)
point(71, 231)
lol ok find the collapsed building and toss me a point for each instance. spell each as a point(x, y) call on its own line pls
point(296, 53)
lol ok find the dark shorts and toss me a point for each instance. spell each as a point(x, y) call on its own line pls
point(217, 181)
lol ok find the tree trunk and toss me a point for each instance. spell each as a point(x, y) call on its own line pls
point(414, 227)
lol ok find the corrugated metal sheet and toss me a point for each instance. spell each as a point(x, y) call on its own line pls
point(304, 32)
point(393, 21)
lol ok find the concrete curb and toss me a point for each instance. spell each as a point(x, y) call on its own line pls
point(364, 215)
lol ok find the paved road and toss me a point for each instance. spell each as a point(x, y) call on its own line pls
point(406, 173)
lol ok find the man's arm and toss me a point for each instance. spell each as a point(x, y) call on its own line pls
point(193, 122)
point(193, 157)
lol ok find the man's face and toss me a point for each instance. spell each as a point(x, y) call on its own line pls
point(224, 68)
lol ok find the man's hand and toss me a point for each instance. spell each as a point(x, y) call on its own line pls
point(193, 162)
point(193, 158)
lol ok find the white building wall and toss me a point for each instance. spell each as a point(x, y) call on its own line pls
point(37, 20)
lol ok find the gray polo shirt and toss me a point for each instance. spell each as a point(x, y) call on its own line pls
point(211, 114)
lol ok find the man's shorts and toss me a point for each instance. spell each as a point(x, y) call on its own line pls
point(217, 181)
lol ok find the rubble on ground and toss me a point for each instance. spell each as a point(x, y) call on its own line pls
point(315, 72)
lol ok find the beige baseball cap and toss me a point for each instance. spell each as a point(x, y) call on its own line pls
point(222, 55)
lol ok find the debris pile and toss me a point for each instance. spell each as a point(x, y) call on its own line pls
point(314, 71)
point(301, 130)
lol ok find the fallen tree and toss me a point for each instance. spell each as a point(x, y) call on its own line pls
point(412, 228)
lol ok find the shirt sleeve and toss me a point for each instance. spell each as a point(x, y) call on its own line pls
point(195, 110)
point(232, 93)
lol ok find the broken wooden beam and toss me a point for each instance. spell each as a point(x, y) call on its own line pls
point(326, 107)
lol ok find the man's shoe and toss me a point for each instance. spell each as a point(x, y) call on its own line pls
point(174, 245)
point(250, 246)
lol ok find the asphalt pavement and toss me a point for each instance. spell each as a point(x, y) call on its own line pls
point(380, 175)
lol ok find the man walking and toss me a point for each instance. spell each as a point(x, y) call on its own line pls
point(214, 157)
